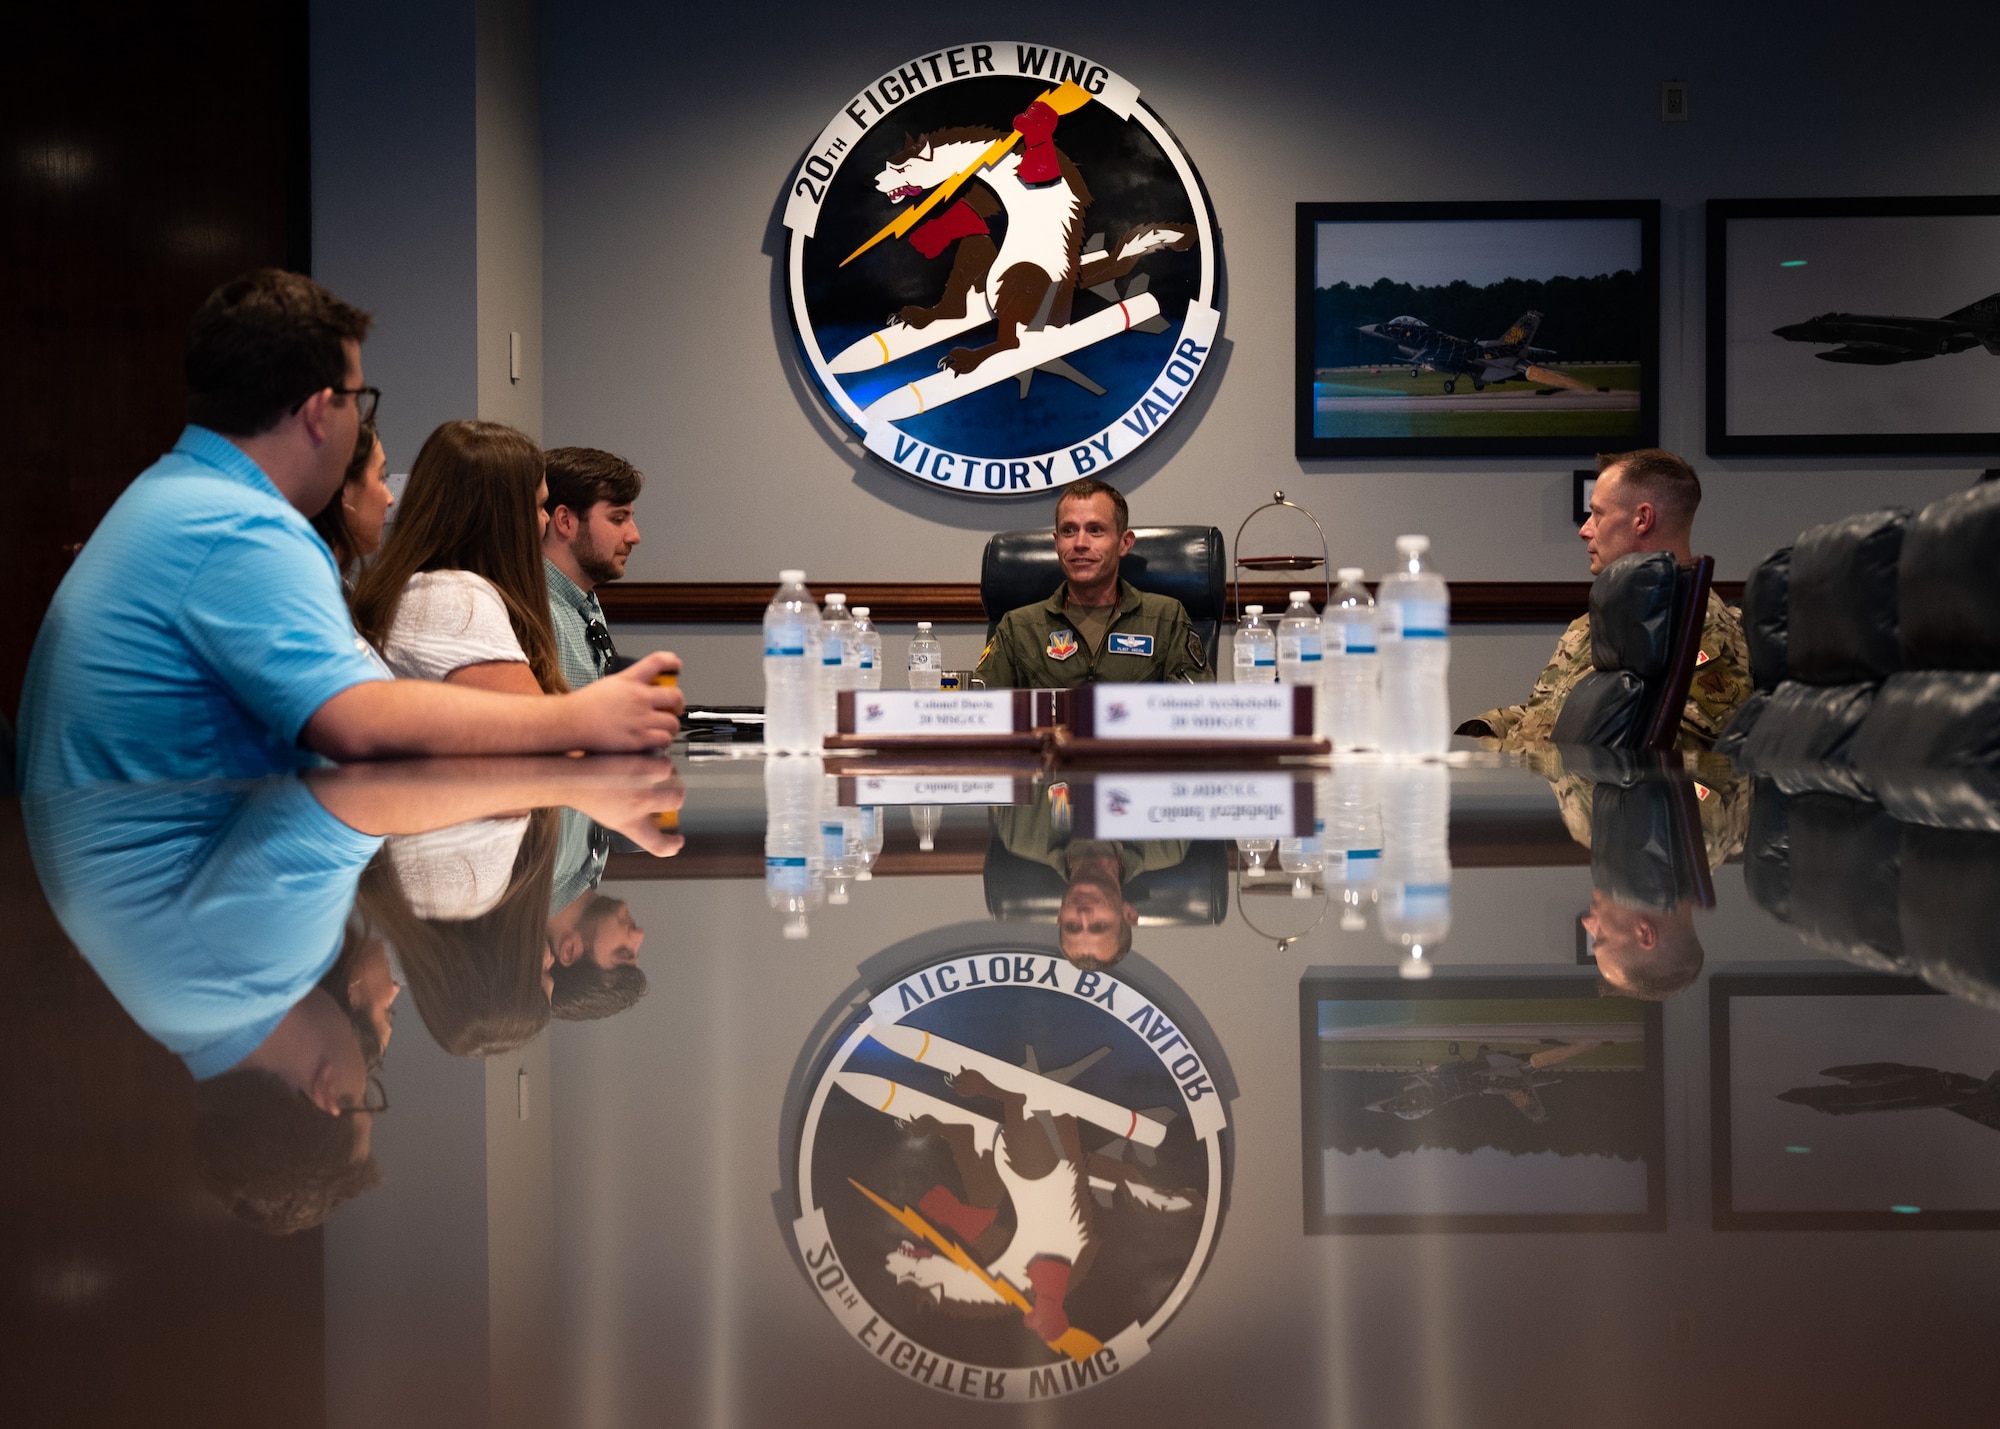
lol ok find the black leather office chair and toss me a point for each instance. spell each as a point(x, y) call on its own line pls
point(1929, 744)
point(1188, 563)
point(1766, 630)
point(1191, 893)
point(1646, 615)
point(1842, 641)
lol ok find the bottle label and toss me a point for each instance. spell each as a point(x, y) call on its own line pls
point(867, 660)
point(830, 653)
point(1357, 640)
point(1416, 620)
point(787, 875)
point(784, 641)
point(1309, 648)
point(924, 660)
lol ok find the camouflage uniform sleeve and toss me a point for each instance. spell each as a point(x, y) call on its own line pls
point(1536, 719)
point(1721, 673)
point(996, 664)
point(1185, 660)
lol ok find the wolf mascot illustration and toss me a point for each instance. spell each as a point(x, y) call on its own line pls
point(1029, 279)
point(1037, 1163)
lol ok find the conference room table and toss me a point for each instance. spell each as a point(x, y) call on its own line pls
point(912, 1164)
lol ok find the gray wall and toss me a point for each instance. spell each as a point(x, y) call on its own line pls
point(670, 133)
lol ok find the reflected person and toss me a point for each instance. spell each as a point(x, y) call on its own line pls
point(1095, 919)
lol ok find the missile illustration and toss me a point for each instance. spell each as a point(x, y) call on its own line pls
point(929, 393)
point(1043, 1093)
point(897, 340)
point(907, 1104)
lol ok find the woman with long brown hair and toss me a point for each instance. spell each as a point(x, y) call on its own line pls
point(458, 593)
point(351, 524)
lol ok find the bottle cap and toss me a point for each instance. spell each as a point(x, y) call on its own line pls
point(862, 611)
point(1253, 610)
point(1412, 545)
point(1345, 573)
point(836, 597)
point(791, 577)
point(795, 928)
point(1299, 595)
point(923, 625)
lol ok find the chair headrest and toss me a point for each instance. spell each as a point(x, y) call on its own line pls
point(1842, 599)
point(1948, 585)
point(1766, 618)
point(1184, 562)
point(1632, 614)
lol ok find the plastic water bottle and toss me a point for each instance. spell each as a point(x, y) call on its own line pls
point(1354, 680)
point(1299, 654)
point(867, 651)
point(1255, 649)
point(840, 839)
point(836, 665)
point(926, 659)
point(871, 840)
point(794, 869)
point(1413, 636)
point(1255, 853)
point(1302, 858)
point(926, 819)
point(1353, 815)
point(791, 668)
point(1416, 859)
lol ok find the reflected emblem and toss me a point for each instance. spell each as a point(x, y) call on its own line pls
point(1010, 1175)
point(1001, 268)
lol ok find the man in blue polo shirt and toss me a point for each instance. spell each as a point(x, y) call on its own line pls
point(201, 631)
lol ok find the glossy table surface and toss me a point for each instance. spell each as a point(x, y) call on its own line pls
point(1359, 1132)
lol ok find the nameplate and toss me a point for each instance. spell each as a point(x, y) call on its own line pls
point(956, 713)
point(863, 790)
point(1220, 713)
point(1196, 806)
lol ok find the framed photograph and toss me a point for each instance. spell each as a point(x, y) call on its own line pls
point(1582, 486)
point(1477, 329)
point(1852, 1101)
point(1853, 326)
point(1480, 1104)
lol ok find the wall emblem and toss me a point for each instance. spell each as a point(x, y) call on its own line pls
point(1002, 268)
point(1010, 1175)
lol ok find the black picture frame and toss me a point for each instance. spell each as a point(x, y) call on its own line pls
point(1643, 326)
point(1724, 990)
point(1741, 285)
point(1581, 486)
point(1647, 1131)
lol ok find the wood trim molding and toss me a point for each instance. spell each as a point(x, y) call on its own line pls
point(957, 602)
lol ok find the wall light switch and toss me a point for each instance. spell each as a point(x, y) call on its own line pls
point(513, 357)
point(1674, 100)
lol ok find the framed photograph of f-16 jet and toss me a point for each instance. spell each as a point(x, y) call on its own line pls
point(1851, 1101)
point(1525, 1103)
point(1477, 329)
point(1853, 326)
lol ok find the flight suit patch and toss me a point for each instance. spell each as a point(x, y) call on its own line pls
point(1129, 645)
point(1195, 651)
point(1062, 644)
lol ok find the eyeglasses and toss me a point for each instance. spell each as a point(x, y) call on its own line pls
point(366, 399)
point(599, 637)
point(374, 1099)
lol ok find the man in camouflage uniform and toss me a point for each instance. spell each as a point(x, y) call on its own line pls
point(1644, 501)
point(1095, 627)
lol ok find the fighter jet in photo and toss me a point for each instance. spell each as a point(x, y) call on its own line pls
point(1892, 1086)
point(1881, 341)
point(1492, 1074)
point(1505, 358)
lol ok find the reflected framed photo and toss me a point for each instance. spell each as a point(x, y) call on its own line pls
point(1853, 326)
point(1524, 1103)
point(1852, 1101)
point(1477, 329)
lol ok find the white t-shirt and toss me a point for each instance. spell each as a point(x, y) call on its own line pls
point(460, 872)
point(445, 621)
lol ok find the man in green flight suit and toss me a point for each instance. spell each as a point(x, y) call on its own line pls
point(1643, 501)
point(1095, 627)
